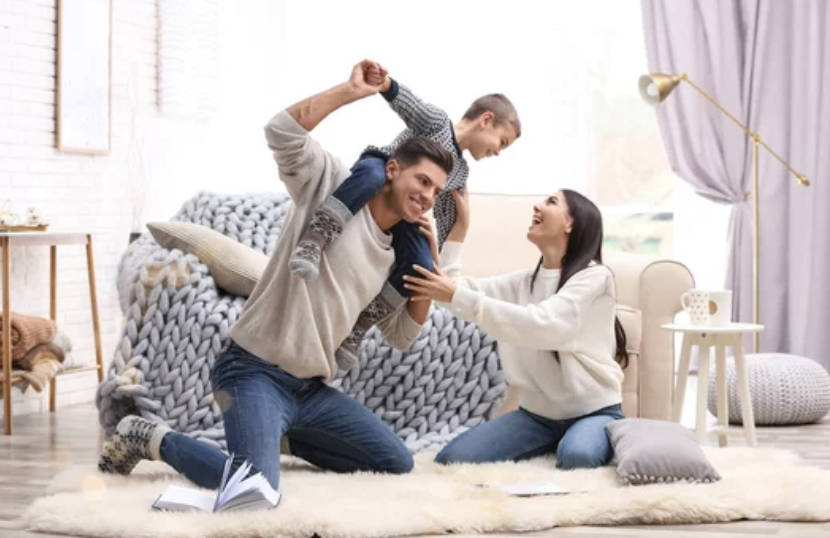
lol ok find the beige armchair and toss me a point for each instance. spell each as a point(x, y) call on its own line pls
point(648, 290)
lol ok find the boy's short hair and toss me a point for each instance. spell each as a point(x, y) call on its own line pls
point(412, 150)
point(501, 107)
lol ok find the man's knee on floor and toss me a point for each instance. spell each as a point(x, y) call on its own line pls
point(455, 453)
point(400, 463)
point(445, 457)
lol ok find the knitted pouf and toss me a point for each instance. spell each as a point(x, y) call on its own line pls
point(785, 389)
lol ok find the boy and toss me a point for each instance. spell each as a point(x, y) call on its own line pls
point(489, 125)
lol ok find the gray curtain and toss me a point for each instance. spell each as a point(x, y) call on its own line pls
point(765, 62)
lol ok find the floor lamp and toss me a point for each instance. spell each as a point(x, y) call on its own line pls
point(654, 88)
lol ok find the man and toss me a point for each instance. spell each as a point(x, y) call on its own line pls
point(273, 379)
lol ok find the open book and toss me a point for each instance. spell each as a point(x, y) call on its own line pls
point(235, 493)
point(530, 489)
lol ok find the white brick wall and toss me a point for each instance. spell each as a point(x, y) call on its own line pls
point(99, 194)
point(89, 193)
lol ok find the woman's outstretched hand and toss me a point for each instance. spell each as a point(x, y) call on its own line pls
point(430, 286)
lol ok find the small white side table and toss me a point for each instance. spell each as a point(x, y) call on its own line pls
point(720, 338)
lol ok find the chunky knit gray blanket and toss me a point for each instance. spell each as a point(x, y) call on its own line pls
point(176, 321)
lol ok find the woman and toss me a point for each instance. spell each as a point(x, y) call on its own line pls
point(559, 339)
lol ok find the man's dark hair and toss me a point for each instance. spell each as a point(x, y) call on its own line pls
point(412, 150)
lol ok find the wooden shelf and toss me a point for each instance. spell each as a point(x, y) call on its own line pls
point(16, 377)
point(79, 369)
point(52, 239)
point(24, 228)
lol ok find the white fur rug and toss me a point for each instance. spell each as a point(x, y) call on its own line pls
point(757, 484)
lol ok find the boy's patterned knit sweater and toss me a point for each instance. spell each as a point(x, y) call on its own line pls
point(429, 121)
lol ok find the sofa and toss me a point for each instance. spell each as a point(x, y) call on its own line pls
point(181, 291)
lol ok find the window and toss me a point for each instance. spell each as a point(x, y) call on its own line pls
point(633, 182)
point(570, 68)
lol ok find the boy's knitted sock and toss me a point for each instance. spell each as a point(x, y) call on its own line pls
point(382, 306)
point(135, 439)
point(305, 260)
point(347, 354)
point(326, 225)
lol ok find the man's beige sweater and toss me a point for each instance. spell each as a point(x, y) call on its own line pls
point(296, 324)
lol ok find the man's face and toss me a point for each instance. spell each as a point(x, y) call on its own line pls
point(414, 189)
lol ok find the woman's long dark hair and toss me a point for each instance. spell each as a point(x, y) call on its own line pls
point(584, 247)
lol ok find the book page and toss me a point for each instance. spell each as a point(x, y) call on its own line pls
point(254, 492)
point(180, 498)
point(255, 482)
point(271, 495)
point(223, 483)
point(232, 488)
point(258, 499)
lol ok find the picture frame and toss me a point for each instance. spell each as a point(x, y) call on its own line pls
point(83, 100)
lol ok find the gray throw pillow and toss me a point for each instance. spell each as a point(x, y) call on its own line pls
point(656, 451)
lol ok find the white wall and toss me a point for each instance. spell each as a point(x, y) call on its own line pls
point(100, 194)
point(227, 154)
point(77, 192)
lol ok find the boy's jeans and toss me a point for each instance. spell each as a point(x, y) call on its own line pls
point(411, 247)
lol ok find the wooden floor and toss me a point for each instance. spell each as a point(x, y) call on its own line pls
point(43, 444)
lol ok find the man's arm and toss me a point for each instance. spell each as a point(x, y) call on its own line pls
point(300, 158)
point(421, 117)
point(402, 328)
point(312, 110)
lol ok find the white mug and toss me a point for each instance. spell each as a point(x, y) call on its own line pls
point(720, 308)
point(709, 308)
point(696, 304)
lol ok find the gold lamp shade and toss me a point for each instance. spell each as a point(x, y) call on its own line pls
point(655, 87)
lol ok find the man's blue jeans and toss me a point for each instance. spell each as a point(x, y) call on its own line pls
point(579, 443)
point(260, 403)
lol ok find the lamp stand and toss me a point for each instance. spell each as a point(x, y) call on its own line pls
point(756, 244)
point(665, 84)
